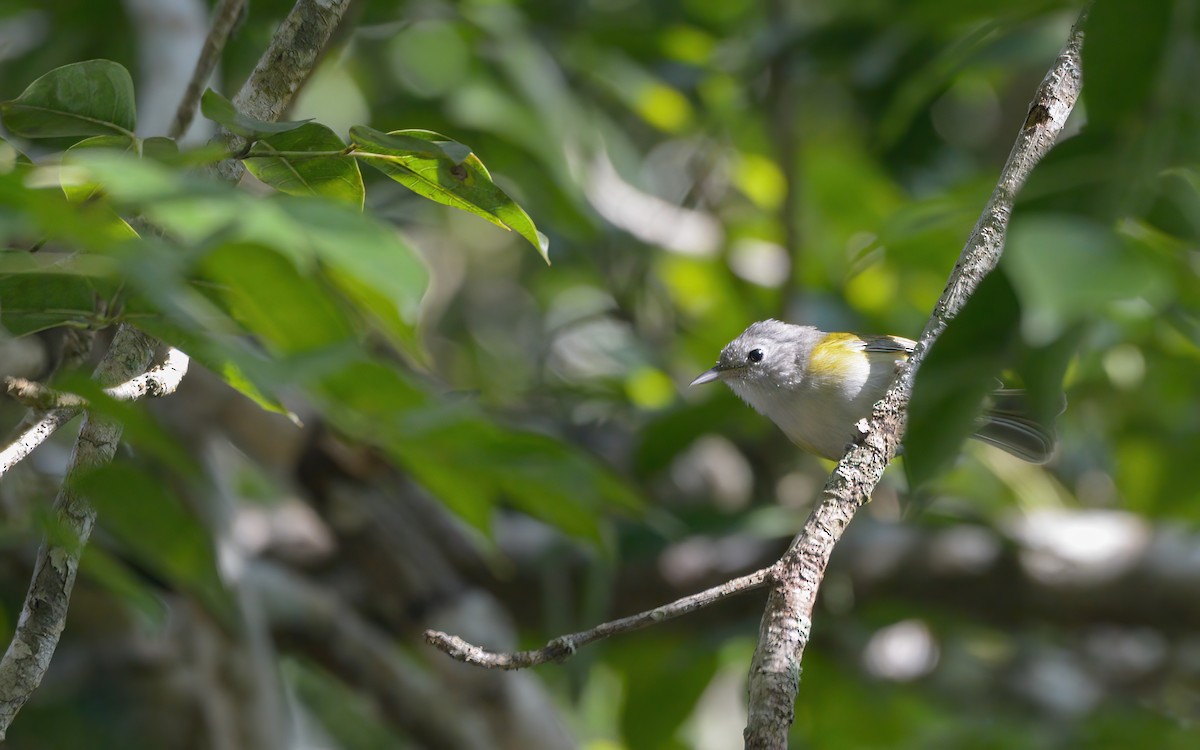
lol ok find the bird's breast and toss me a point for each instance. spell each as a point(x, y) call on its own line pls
point(819, 412)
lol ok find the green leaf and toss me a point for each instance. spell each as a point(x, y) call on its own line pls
point(379, 312)
point(80, 190)
point(75, 183)
point(1126, 43)
point(265, 292)
point(553, 481)
point(367, 260)
point(86, 98)
point(1042, 370)
point(353, 246)
point(219, 109)
point(1066, 269)
point(227, 359)
point(160, 149)
point(538, 474)
point(959, 371)
point(151, 525)
point(664, 679)
point(334, 177)
point(407, 142)
point(115, 575)
point(45, 290)
point(434, 166)
point(10, 157)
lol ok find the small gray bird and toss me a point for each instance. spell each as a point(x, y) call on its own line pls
point(815, 386)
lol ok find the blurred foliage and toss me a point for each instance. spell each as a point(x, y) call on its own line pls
point(696, 166)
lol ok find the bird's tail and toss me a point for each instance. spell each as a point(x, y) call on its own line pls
point(1006, 423)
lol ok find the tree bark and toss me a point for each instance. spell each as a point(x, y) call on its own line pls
point(796, 578)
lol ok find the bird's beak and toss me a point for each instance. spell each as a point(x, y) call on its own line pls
point(707, 377)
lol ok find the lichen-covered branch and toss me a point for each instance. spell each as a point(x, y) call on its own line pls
point(61, 408)
point(32, 436)
point(795, 579)
point(283, 68)
point(45, 610)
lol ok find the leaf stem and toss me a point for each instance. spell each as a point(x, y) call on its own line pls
point(293, 154)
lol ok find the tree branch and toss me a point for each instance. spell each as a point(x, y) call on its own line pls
point(795, 579)
point(562, 648)
point(33, 436)
point(227, 15)
point(286, 64)
point(156, 382)
point(63, 407)
point(41, 397)
point(45, 610)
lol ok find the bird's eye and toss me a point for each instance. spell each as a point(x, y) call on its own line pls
point(755, 355)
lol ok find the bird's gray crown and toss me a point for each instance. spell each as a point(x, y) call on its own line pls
point(783, 347)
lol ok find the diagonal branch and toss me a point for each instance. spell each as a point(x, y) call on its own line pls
point(227, 15)
point(283, 68)
point(33, 436)
point(795, 579)
point(562, 648)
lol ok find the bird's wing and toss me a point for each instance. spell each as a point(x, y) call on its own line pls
point(887, 344)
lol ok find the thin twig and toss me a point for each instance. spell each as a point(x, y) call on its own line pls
point(787, 620)
point(63, 407)
point(562, 648)
point(227, 15)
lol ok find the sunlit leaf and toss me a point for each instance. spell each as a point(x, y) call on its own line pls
point(442, 170)
point(362, 248)
point(285, 167)
point(87, 98)
point(80, 190)
point(219, 109)
point(267, 294)
point(379, 311)
point(226, 358)
point(367, 260)
point(10, 157)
